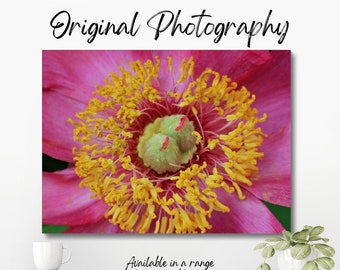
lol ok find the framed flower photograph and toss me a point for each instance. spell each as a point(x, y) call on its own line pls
point(166, 142)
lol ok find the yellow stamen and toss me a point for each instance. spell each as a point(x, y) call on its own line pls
point(174, 94)
point(212, 143)
point(164, 221)
point(186, 69)
point(157, 226)
point(170, 64)
point(239, 191)
point(198, 137)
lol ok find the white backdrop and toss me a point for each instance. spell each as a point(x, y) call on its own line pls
point(313, 40)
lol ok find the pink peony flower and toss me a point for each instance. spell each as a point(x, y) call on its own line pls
point(166, 141)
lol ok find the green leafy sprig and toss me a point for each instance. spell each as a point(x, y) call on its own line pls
point(302, 244)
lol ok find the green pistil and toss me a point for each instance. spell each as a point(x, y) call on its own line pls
point(167, 143)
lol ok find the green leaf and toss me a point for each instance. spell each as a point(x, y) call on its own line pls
point(301, 236)
point(301, 251)
point(268, 252)
point(325, 262)
point(260, 246)
point(318, 238)
point(282, 245)
point(317, 230)
point(325, 249)
point(273, 239)
point(310, 265)
point(263, 266)
point(287, 235)
point(307, 227)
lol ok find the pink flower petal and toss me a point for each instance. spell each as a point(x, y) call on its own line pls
point(237, 64)
point(57, 133)
point(76, 73)
point(248, 216)
point(65, 203)
point(272, 89)
point(273, 98)
point(273, 183)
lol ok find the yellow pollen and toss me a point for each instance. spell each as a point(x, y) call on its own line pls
point(198, 136)
point(174, 94)
point(170, 64)
point(194, 110)
point(212, 143)
point(182, 196)
point(239, 191)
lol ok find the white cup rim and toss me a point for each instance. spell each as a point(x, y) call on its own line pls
point(48, 243)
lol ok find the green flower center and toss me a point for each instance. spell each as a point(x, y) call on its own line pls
point(167, 143)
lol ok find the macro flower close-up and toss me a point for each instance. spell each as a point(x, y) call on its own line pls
point(166, 141)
